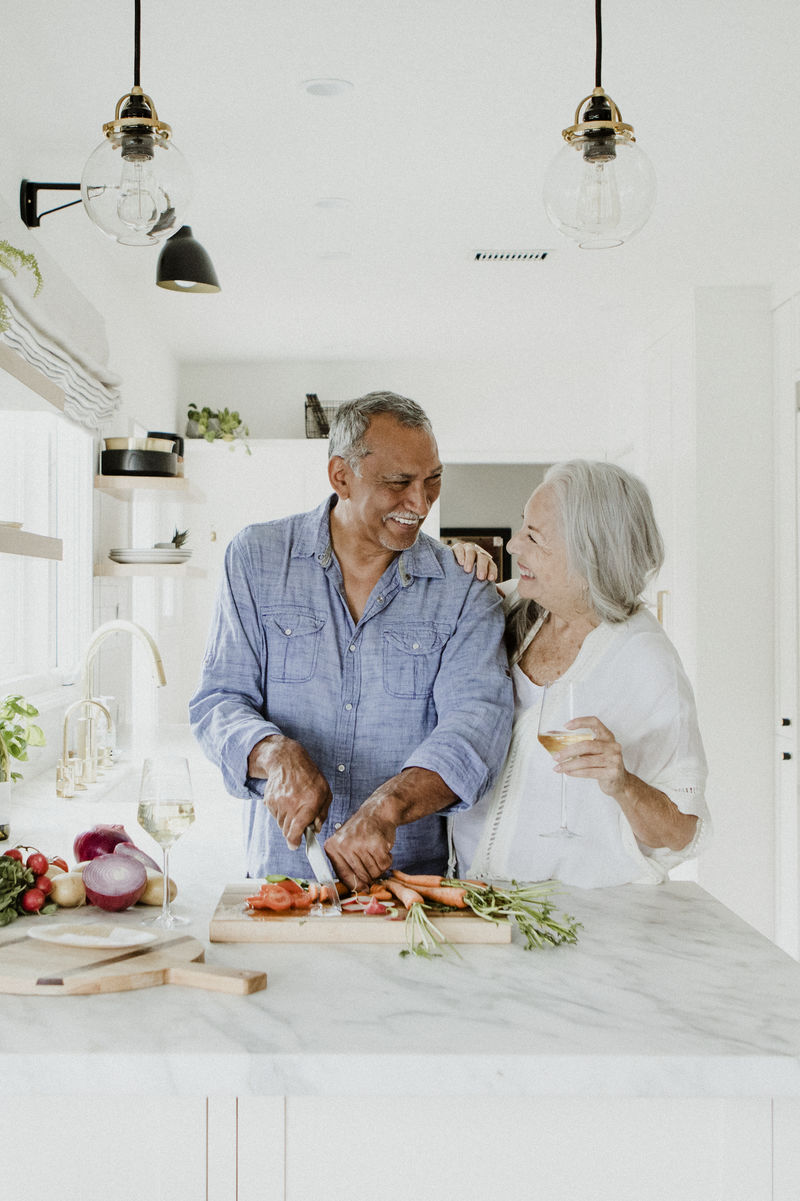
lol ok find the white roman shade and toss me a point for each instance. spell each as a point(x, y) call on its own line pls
point(58, 332)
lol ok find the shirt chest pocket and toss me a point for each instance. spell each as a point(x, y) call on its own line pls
point(411, 658)
point(293, 640)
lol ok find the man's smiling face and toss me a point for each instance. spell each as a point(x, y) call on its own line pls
point(399, 481)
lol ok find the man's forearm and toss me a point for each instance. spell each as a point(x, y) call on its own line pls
point(413, 793)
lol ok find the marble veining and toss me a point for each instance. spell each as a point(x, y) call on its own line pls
point(667, 993)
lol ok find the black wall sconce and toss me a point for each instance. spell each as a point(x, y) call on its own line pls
point(183, 264)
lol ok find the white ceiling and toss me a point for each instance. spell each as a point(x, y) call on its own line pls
point(440, 147)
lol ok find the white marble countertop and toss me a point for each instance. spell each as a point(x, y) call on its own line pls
point(667, 993)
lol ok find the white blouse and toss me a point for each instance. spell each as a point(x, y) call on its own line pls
point(629, 675)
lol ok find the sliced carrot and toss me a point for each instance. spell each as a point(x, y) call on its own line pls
point(380, 892)
point(313, 891)
point(414, 881)
point(407, 896)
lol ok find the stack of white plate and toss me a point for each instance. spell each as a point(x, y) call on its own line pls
point(148, 554)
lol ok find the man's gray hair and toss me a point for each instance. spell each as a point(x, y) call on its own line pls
point(613, 542)
point(351, 421)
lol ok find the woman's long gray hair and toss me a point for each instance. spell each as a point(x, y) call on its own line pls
point(613, 543)
point(351, 422)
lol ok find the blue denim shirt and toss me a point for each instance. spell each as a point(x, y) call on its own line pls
point(420, 681)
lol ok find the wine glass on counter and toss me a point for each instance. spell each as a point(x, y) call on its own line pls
point(166, 811)
point(558, 707)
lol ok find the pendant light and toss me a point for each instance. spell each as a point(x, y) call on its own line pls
point(136, 185)
point(184, 265)
point(600, 188)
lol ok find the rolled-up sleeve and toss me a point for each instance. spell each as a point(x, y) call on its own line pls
point(226, 712)
point(474, 702)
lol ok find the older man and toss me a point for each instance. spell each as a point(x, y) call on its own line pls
point(355, 677)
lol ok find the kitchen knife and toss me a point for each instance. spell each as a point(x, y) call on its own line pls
point(322, 871)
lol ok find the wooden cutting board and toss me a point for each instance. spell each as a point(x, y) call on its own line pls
point(48, 969)
point(233, 921)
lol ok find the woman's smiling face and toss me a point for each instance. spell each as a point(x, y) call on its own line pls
point(544, 573)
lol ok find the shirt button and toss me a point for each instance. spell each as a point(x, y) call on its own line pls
point(337, 825)
point(348, 706)
point(414, 645)
point(287, 631)
point(340, 767)
point(351, 648)
point(380, 600)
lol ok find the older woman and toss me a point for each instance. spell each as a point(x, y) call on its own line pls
point(586, 550)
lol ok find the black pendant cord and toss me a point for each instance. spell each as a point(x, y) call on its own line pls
point(598, 60)
point(137, 34)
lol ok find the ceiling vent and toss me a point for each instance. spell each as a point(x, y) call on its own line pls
point(509, 256)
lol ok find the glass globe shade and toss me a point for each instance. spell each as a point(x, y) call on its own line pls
point(597, 203)
point(138, 200)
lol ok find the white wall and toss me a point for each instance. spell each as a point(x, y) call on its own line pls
point(493, 410)
point(710, 462)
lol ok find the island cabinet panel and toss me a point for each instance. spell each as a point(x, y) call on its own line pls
point(566, 1149)
point(260, 1149)
point(99, 1148)
point(786, 1138)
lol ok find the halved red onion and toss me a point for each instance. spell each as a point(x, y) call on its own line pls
point(114, 881)
point(100, 840)
point(133, 852)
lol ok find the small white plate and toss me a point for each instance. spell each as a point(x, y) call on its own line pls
point(93, 934)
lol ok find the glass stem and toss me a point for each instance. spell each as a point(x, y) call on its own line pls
point(563, 802)
point(165, 899)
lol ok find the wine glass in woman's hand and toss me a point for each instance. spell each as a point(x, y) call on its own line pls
point(558, 708)
point(166, 811)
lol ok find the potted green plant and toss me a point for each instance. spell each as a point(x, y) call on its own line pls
point(207, 423)
point(17, 733)
point(178, 539)
point(12, 258)
point(201, 423)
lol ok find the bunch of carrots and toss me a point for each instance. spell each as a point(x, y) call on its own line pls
point(529, 906)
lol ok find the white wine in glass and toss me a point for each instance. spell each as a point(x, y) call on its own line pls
point(166, 810)
point(558, 707)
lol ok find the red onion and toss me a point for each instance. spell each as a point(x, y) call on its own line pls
point(114, 881)
point(133, 852)
point(100, 840)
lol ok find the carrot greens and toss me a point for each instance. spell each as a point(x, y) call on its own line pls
point(529, 905)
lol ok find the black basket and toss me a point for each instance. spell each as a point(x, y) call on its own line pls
point(318, 417)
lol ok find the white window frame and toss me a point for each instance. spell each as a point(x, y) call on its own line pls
point(46, 605)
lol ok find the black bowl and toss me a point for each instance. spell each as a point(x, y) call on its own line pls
point(138, 462)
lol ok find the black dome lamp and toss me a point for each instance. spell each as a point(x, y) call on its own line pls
point(184, 266)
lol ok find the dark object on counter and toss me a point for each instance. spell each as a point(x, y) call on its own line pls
point(318, 417)
point(138, 462)
point(176, 438)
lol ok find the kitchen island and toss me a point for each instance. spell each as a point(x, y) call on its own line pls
point(657, 1058)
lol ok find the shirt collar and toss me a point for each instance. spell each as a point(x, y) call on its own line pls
point(314, 538)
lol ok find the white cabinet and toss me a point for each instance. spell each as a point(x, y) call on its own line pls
point(98, 1147)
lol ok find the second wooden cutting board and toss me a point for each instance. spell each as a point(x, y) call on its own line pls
point(233, 921)
point(33, 968)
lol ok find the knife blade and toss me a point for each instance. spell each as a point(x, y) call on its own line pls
point(322, 871)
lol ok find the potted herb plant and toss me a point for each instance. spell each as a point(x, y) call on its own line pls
point(17, 733)
point(207, 423)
